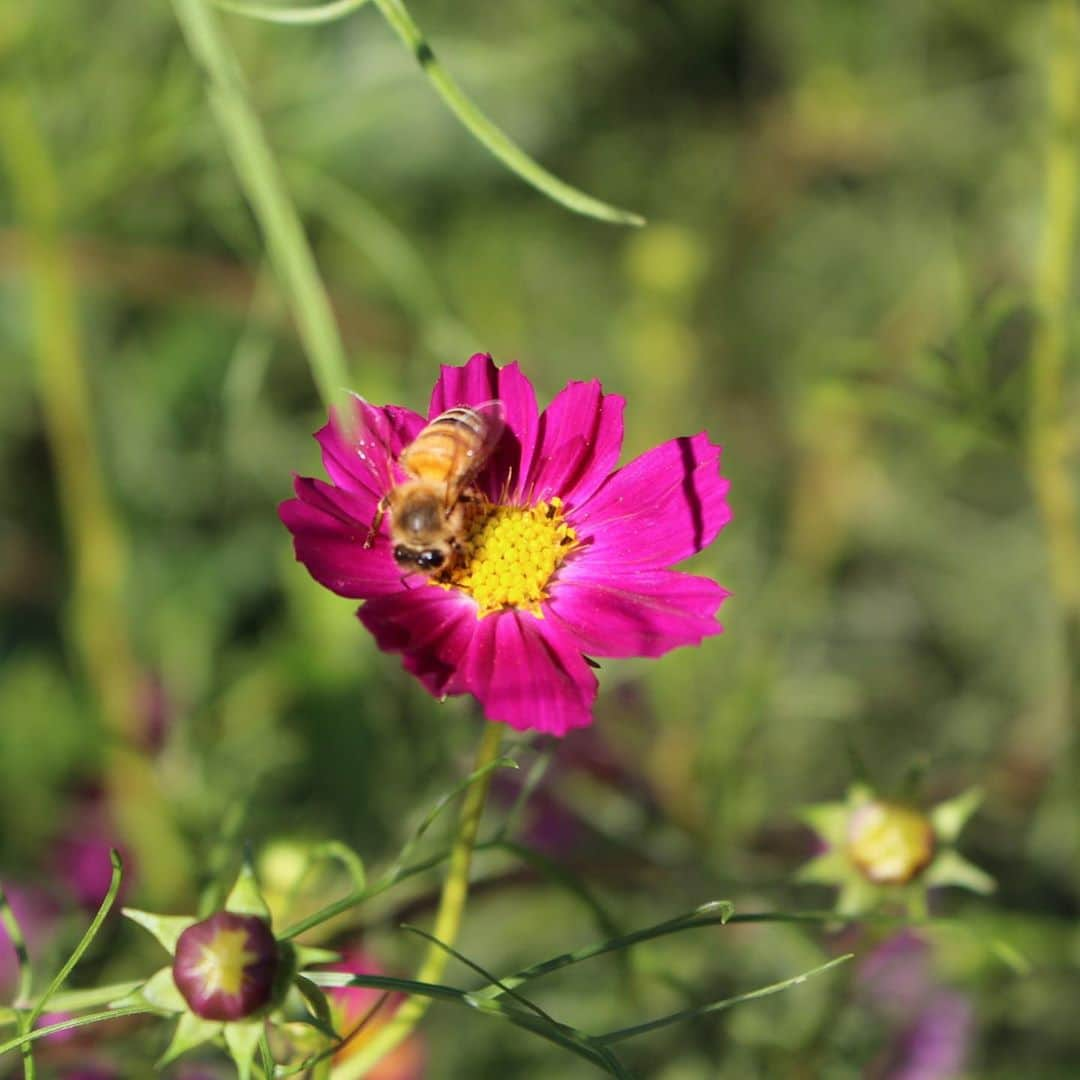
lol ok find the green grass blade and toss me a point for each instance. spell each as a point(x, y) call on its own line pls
point(718, 1006)
point(292, 16)
point(488, 134)
point(265, 190)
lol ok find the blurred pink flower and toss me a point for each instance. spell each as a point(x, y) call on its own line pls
point(81, 854)
point(360, 1011)
point(571, 557)
point(932, 1027)
point(37, 916)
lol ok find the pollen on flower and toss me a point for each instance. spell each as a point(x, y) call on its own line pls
point(513, 551)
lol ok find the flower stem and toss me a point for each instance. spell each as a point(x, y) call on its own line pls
point(447, 919)
point(265, 190)
point(1049, 432)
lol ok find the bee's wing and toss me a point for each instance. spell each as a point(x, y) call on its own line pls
point(369, 440)
point(492, 415)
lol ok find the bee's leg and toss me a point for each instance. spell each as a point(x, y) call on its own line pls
point(380, 513)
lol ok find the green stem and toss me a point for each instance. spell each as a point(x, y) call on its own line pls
point(447, 919)
point(265, 190)
point(1049, 431)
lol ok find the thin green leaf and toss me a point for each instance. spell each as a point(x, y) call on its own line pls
point(67, 1025)
point(718, 1006)
point(565, 1036)
point(715, 913)
point(386, 982)
point(353, 864)
point(598, 1056)
point(565, 879)
point(221, 854)
point(490, 136)
point(91, 932)
point(440, 805)
point(532, 780)
point(265, 190)
point(292, 16)
point(320, 1007)
point(473, 966)
point(577, 1042)
point(397, 872)
point(76, 1000)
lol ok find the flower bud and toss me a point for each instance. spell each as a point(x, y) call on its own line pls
point(890, 843)
point(225, 966)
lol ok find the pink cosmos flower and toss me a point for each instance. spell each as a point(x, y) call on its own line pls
point(571, 558)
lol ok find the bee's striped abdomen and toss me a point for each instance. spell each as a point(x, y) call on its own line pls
point(453, 446)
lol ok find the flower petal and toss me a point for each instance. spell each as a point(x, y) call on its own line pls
point(476, 382)
point(647, 613)
point(658, 510)
point(361, 461)
point(329, 530)
point(527, 673)
point(432, 627)
point(580, 437)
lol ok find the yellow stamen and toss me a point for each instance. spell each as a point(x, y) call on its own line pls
point(512, 553)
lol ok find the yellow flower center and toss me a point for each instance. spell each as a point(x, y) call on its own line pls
point(512, 552)
point(890, 843)
point(223, 962)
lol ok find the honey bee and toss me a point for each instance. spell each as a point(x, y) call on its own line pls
point(431, 511)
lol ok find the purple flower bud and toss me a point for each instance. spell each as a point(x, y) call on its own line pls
point(225, 966)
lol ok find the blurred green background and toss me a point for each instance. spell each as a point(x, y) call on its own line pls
point(846, 202)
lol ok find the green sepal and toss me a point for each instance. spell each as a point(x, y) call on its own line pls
point(166, 928)
point(242, 1038)
point(286, 972)
point(857, 896)
point(951, 868)
point(828, 820)
point(829, 868)
point(190, 1032)
point(246, 898)
point(306, 955)
point(949, 818)
point(159, 992)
